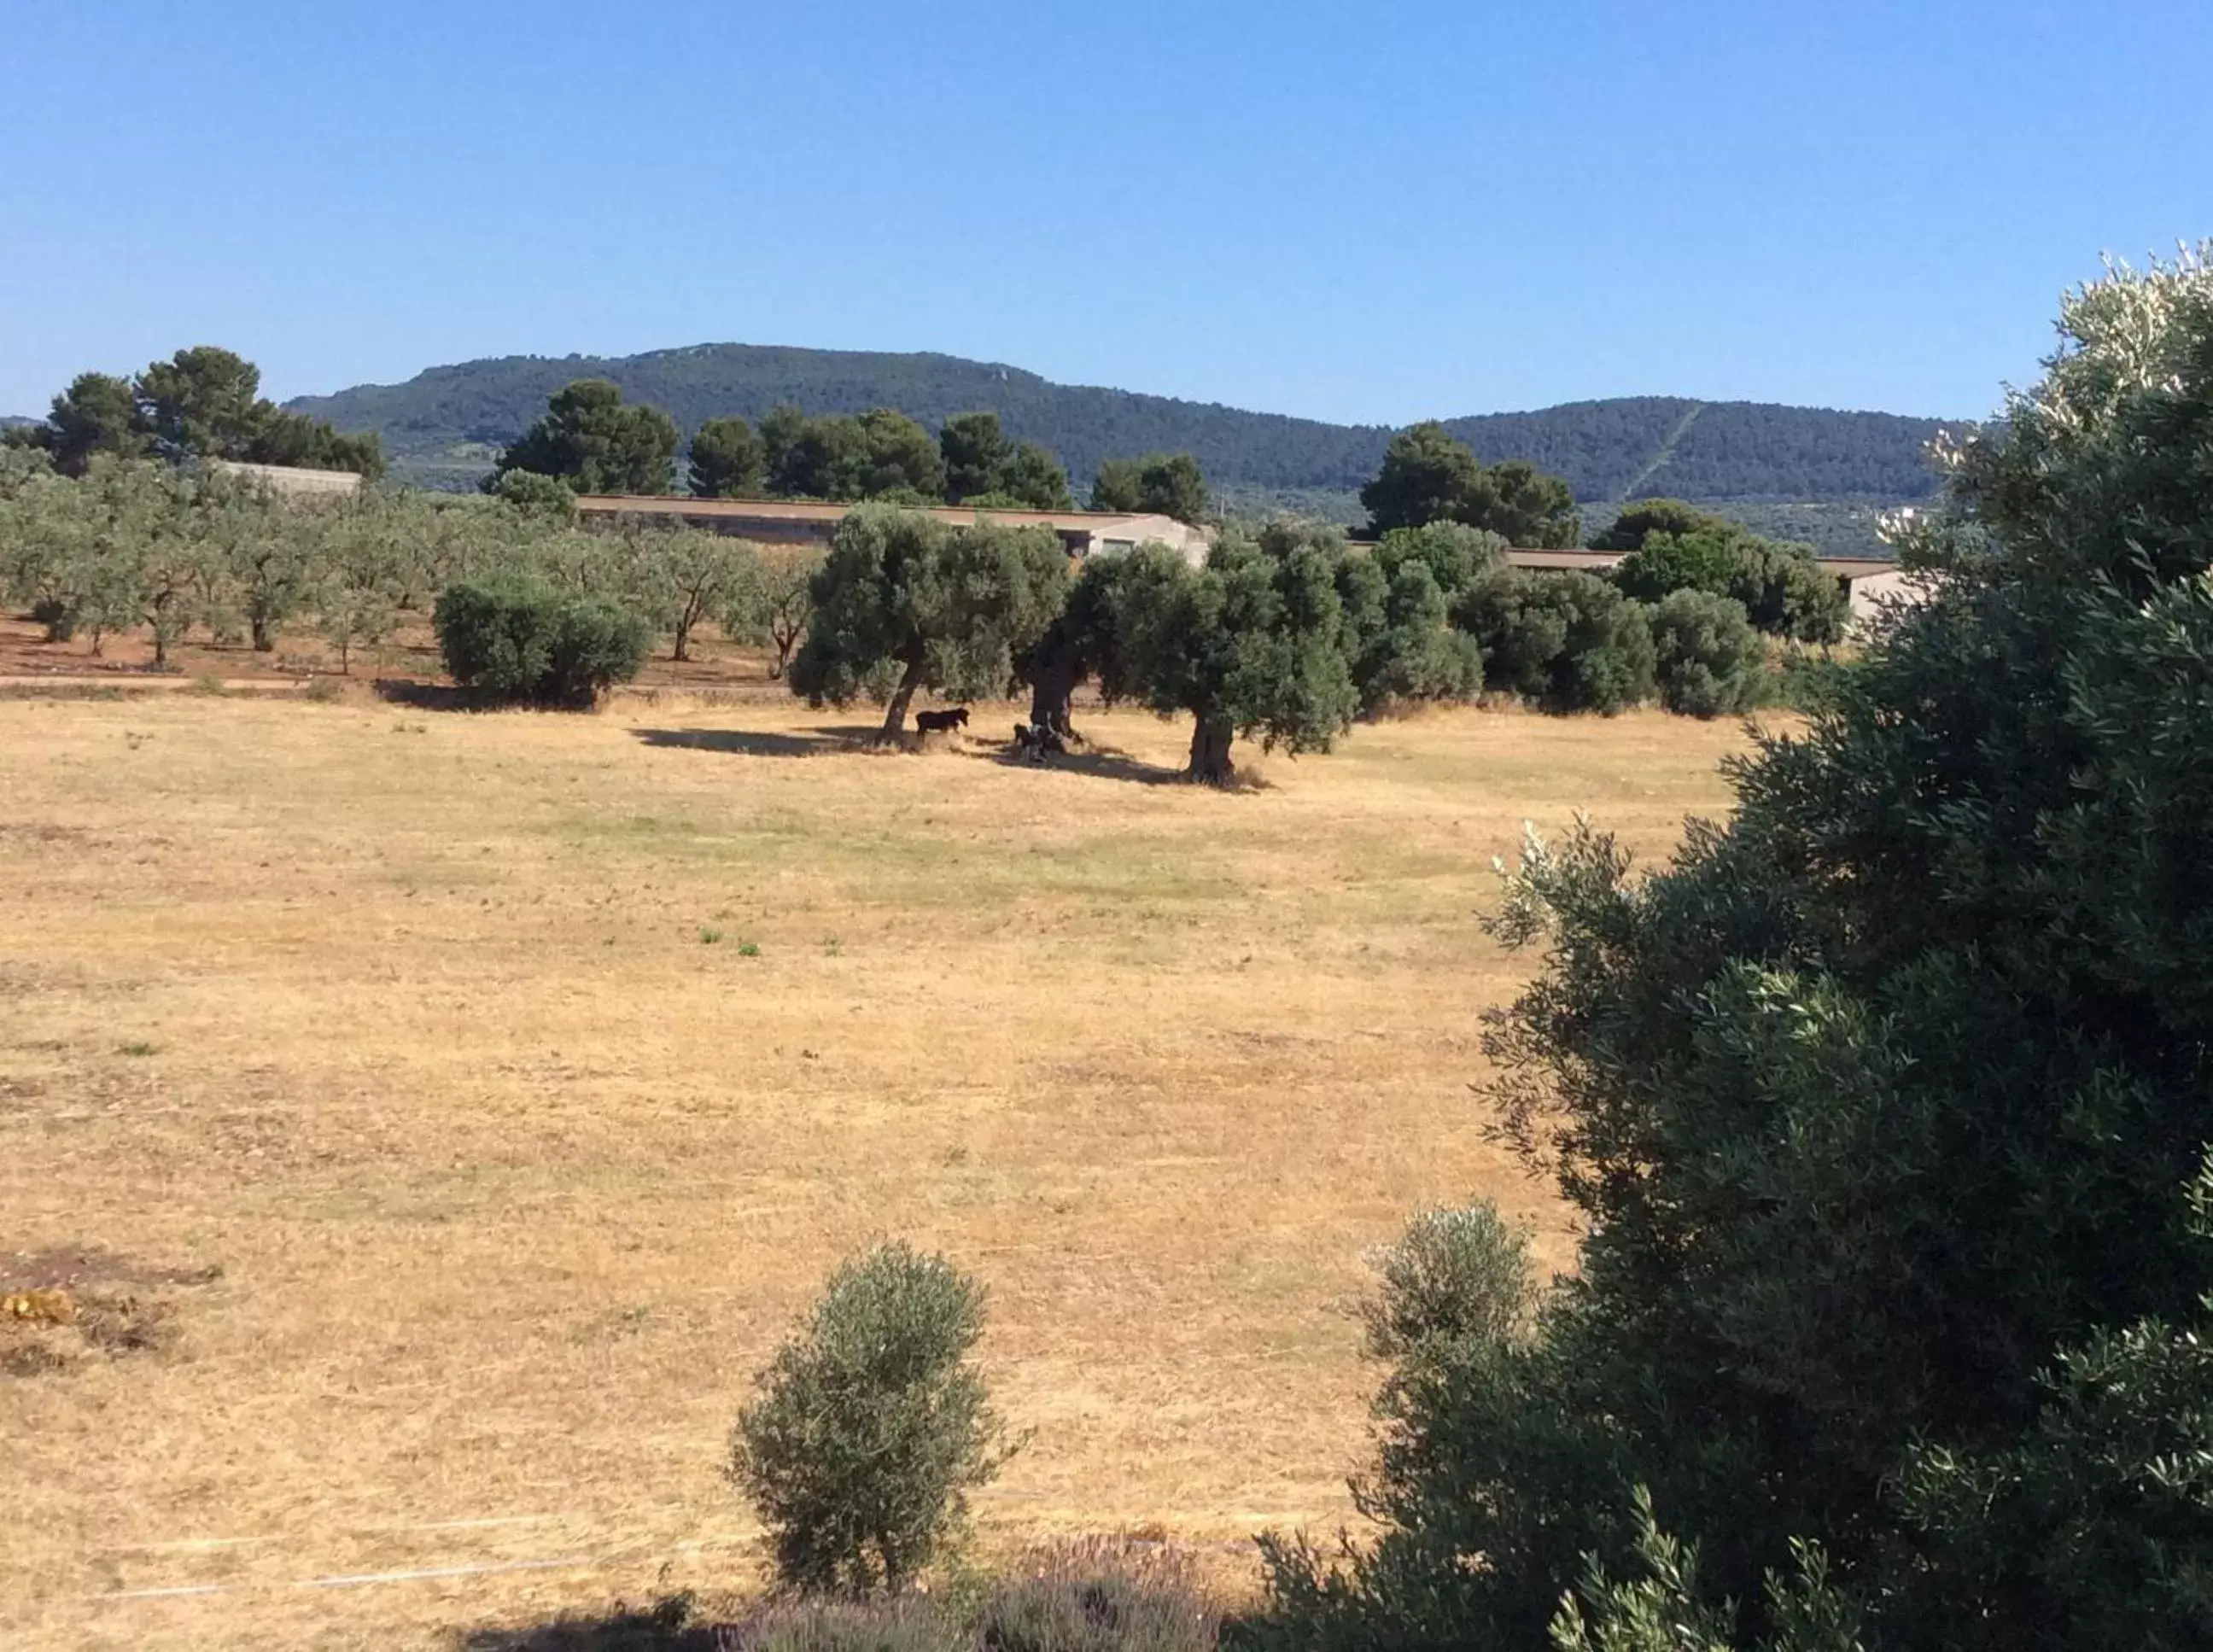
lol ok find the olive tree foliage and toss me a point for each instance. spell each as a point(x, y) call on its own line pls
point(1083, 643)
point(1883, 1107)
point(1568, 642)
point(870, 1425)
point(904, 602)
point(1252, 643)
point(680, 576)
point(774, 605)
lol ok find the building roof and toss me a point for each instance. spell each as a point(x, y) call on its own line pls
point(293, 478)
point(1103, 522)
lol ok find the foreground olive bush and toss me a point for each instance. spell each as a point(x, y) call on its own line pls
point(870, 1426)
point(1884, 1108)
point(518, 638)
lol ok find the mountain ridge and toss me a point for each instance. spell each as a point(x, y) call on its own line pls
point(445, 425)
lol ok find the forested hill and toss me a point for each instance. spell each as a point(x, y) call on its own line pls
point(446, 423)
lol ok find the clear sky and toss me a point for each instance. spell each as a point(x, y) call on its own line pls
point(1375, 212)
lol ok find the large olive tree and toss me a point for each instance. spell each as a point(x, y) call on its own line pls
point(904, 602)
point(1251, 643)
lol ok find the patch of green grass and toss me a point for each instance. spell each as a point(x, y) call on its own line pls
point(749, 950)
point(136, 1048)
point(709, 937)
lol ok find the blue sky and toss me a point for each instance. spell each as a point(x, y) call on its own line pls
point(1378, 213)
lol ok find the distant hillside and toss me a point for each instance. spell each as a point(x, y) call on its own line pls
point(445, 426)
point(10, 421)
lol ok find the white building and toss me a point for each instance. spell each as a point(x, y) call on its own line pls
point(793, 521)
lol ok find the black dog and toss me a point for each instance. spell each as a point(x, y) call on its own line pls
point(1036, 744)
point(938, 722)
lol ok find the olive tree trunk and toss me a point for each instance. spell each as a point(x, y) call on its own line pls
point(895, 712)
point(1209, 753)
point(1053, 685)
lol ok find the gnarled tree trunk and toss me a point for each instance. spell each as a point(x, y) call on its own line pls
point(1053, 677)
point(1210, 753)
point(895, 712)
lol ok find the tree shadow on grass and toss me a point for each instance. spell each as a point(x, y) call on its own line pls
point(668, 1626)
point(1101, 762)
point(737, 742)
point(426, 696)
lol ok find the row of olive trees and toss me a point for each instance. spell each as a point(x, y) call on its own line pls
point(168, 547)
point(1284, 636)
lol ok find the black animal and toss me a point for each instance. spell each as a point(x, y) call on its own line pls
point(937, 722)
point(1039, 743)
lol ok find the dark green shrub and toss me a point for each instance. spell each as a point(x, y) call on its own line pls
point(1667, 563)
point(1784, 590)
point(1453, 552)
point(1884, 1108)
point(1414, 654)
point(1571, 642)
point(516, 638)
point(1707, 659)
point(1520, 630)
point(1102, 1595)
point(870, 1425)
point(1606, 664)
point(58, 617)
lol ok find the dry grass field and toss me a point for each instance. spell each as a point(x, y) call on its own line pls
point(460, 1107)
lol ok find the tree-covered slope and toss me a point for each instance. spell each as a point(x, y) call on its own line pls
point(445, 424)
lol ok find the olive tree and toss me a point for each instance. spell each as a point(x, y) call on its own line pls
point(1251, 643)
point(870, 1425)
point(364, 577)
point(774, 604)
point(904, 602)
point(678, 576)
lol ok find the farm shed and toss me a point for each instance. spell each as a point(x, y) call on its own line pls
point(790, 521)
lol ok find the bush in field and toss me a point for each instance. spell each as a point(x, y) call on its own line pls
point(1100, 1595)
point(1570, 642)
point(870, 1425)
point(1707, 659)
point(1784, 590)
point(1413, 652)
point(517, 638)
point(1452, 1275)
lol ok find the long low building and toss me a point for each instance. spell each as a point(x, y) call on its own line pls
point(802, 522)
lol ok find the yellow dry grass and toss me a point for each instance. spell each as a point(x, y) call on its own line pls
point(405, 1021)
